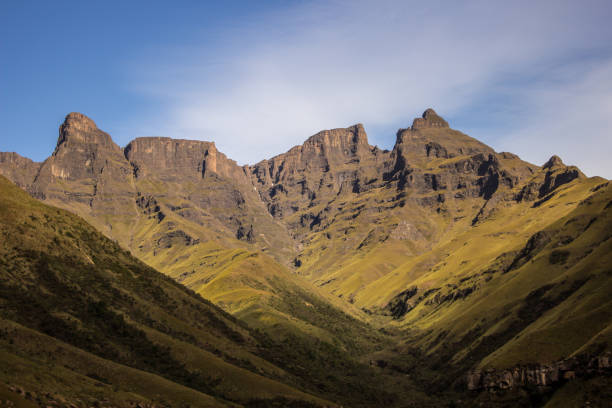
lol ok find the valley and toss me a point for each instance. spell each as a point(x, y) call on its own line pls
point(437, 273)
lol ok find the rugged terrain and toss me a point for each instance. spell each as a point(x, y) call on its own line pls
point(472, 263)
point(83, 323)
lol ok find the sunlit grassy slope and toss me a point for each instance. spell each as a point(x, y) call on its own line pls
point(478, 292)
point(245, 281)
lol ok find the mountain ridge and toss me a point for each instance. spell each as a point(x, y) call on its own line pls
point(77, 127)
point(436, 238)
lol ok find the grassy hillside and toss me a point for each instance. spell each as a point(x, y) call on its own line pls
point(246, 282)
point(528, 276)
point(82, 320)
point(74, 299)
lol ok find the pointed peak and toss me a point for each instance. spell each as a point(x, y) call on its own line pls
point(429, 112)
point(554, 161)
point(78, 128)
point(429, 119)
point(78, 121)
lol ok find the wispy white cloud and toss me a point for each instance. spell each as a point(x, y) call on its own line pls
point(570, 114)
point(266, 85)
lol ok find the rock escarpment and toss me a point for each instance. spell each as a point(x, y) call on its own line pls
point(330, 163)
point(174, 182)
point(429, 156)
point(85, 158)
point(18, 169)
point(540, 375)
point(177, 160)
point(553, 174)
point(432, 168)
point(87, 170)
point(430, 137)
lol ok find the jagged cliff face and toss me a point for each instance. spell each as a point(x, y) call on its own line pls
point(339, 197)
point(152, 178)
point(179, 205)
point(87, 173)
point(328, 164)
point(442, 234)
point(429, 156)
point(178, 160)
point(84, 154)
point(299, 186)
point(18, 169)
point(431, 166)
point(430, 138)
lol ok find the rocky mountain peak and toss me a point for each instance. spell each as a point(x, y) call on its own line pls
point(79, 121)
point(430, 137)
point(554, 161)
point(78, 128)
point(554, 173)
point(351, 138)
point(429, 119)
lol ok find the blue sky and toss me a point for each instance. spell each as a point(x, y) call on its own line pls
point(533, 78)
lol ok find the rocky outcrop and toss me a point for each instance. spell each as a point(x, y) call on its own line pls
point(430, 119)
point(20, 170)
point(87, 169)
point(430, 156)
point(177, 160)
point(553, 174)
point(557, 174)
point(430, 137)
point(200, 184)
point(399, 305)
point(150, 207)
point(175, 237)
point(78, 130)
point(468, 177)
point(245, 233)
point(331, 162)
point(541, 375)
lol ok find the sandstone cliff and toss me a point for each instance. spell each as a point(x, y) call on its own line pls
point(174, 159)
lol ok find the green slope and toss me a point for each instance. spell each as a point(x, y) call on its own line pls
point(81, 319)
point(71, 298)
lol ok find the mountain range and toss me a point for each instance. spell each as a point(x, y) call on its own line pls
point(337, 273)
